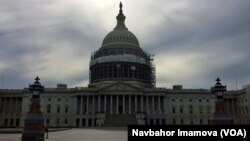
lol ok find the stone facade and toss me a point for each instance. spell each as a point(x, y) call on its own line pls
point(83, 107)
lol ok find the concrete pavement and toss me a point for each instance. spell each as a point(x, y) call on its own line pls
point(85, 134)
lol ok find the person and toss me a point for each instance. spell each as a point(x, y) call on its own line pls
point(47, 132)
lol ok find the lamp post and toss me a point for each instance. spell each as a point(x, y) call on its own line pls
point(219, 117)
point(34, 122)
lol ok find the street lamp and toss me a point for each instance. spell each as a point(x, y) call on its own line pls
point(219, 116)
point(34, 121)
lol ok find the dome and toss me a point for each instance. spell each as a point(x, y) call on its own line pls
point(120, 36)
point(121, 59)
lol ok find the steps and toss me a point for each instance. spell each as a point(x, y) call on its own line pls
point(119, 120)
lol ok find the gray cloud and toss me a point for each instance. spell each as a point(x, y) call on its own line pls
point(193, 41)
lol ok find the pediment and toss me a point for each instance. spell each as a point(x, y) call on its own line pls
point(120, 86)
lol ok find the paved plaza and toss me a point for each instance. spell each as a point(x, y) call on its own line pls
point(94, 134)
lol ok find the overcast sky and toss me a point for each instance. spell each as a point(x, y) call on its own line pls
point(193, 41)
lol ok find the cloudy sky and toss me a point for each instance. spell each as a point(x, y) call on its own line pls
point(193, 41)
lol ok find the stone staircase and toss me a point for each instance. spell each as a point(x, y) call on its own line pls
point(119, 120)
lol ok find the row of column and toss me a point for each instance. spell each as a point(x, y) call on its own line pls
point(11, 105)
point(119, 104)
point(230, 106)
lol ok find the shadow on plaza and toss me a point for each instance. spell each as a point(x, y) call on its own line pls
point(19, 130)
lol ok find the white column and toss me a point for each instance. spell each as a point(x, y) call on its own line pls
point(147, 104)
point(19, 103)
point(117, 104)
point(105, 103)
point(231, 106)
point(123, 104)
point(1, 109)
point(226, 105)
point(93, 106)
point(99, 103)
point(17, 106)
point(80, 109)
point(10, 107)
point(141, 103)
point(153, 104)
point(159, 104)
point(84, 106)
point(4, 104)
point(111, 104)
point(87, 106)
point(135, 103)
point(129, 104)
point(14, 105)
point(236, 110)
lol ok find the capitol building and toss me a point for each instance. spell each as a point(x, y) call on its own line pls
point(122, 91)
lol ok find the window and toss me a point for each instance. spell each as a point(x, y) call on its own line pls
point(173, 110)
point(208, 109)
point(201, 121)
point(49, 99)
point(47, 121)
point(173, 100)
point(48, 108)
point(58, 99)
point(181, 110)
point(66, 109)
point(58, 109)
point(190, 109)
point(200, 100)
point(163, 121)
point(57, 121)
point(174, 121)
point(5, 122)
point(66, 121)
point(207, 100)
point(191, 122)
point(200, 109)
point(180, 100)
point(182, 121)
point(190, 100)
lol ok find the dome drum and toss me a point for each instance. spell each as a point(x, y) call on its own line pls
point(126, 71)
point(120, 50)
point(120, 58)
